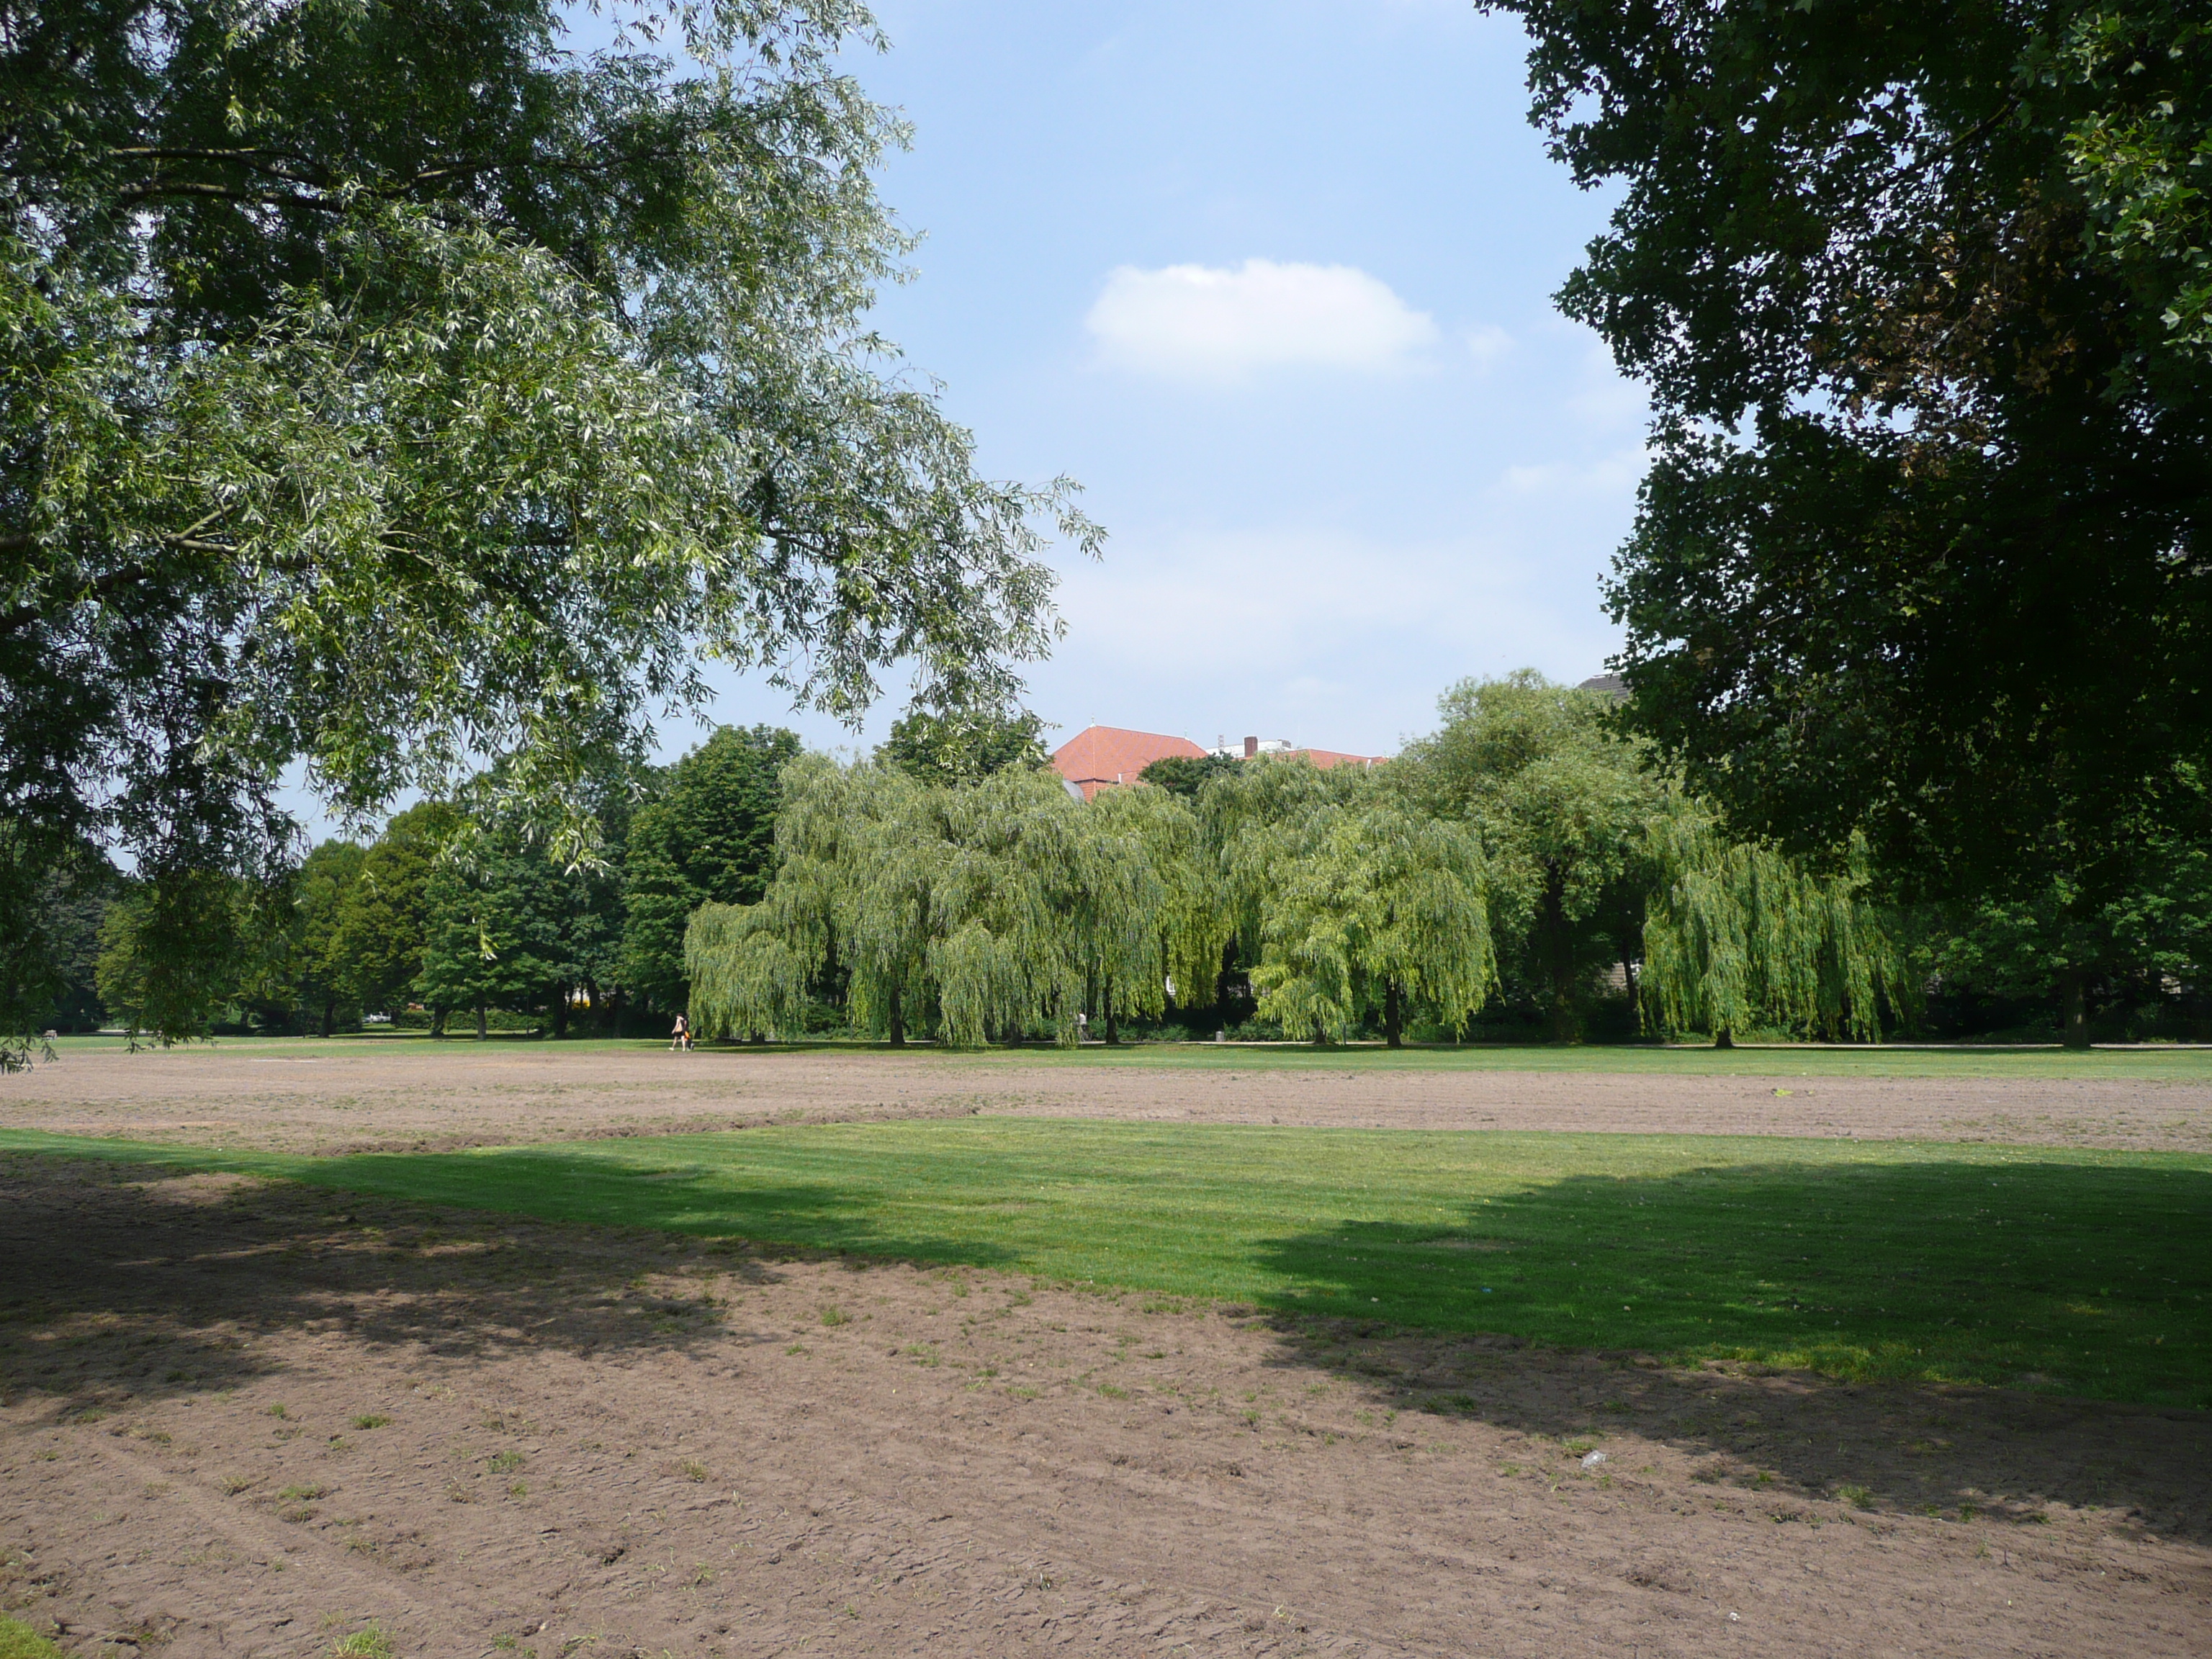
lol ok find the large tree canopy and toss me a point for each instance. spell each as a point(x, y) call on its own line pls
point(386, 387)
point(999, 908)
point(1923, 292)
point(1562, 802)
point(1355, 903)
point(1597, 862)
point(707, 831)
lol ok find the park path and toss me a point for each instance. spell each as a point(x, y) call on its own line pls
point(325, 1097)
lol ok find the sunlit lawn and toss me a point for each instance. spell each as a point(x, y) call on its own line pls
point(2085, 1272)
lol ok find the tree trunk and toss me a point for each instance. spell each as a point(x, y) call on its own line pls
point(1320, 1035)
point(1724, 1038)
point(1394, 1020)
point(329, 1015)
point(898, 1025)
point(1635, 991)
point(2075, 991)
point(1558, 958)
point(438, 1021)
point(1113, 1024)
point(559, 1014)
point(482, 1029)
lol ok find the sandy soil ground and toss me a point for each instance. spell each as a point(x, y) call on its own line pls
point(241, 1419)
point(424, 1096)
point(239, 1422)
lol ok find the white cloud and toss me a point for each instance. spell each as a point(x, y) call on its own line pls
point(1487, 343)
point(1194, 322)
point(1341, 640)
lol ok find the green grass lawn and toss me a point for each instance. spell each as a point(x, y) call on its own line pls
point(2084, 1271)
point(2151, 1062)
point(19, 1641)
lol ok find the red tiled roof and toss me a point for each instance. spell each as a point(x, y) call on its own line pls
point(1325, 758)
point(1100, 756)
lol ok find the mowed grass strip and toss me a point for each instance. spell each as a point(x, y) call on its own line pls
point(2080, 1271)
point(2149, 1063)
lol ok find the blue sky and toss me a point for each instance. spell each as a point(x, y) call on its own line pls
point(1273, 281)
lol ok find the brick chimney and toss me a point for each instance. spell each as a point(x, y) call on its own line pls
point(1251, 747)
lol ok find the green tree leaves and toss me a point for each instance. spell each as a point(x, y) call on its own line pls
point(386, 917)
point(1737, 936)
point(963, 745)
point(1920, 292)
point(1363, 904)
point(385, 388)
point(982, 912)
point(1561, 801)
point(507, 928)
point(323, 895)
point(706, 833)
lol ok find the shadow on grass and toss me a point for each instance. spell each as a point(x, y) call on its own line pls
point(1814, 1329)
point(123, 1279)
point(2081, 1279)
point(559, 1183)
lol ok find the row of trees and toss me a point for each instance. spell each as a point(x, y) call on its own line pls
point(462, 428)
point(1527, 867)
point(1522, 850)
point(451, 915)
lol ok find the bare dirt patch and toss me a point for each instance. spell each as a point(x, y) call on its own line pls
point(423, 1095)
point(250, 1419)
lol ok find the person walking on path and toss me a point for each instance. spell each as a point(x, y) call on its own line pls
point(681, 1037)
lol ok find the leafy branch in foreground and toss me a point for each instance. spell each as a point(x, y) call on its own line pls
point(388, 389)
point(1922, 294)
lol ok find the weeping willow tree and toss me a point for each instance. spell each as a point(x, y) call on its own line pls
point(1009, 865)
point(751, 966)
point(1355, 903)
point(982, 910)
point(1736, 935)
point(1165, 944)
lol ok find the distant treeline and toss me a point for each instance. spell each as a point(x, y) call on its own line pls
point(460, 918)
point(1524, 871)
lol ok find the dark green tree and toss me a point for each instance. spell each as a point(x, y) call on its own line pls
point(458, 950)
point(706, 834)
point(76, 905)
point(2129, 957)
point(508, 926)
point(964, 743)
point(510, 929)
point(323, 897)
point(1186, 775)
point(1923, 297)
point(386, 917)
point(388, 387)
point(178, 958)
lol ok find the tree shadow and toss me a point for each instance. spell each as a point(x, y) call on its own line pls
point(1995, 1335)
point(123, 1281)
point(667, 1186)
